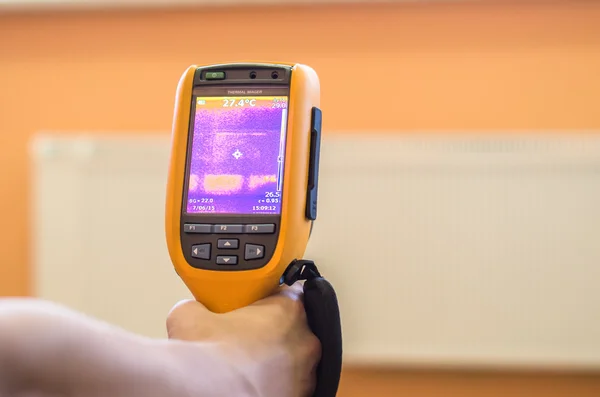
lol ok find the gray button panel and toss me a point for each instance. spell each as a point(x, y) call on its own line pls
point(262, 228)
point(254, 251)
point(227, 260)
point(201, 251)
point(197, 228)
point(228, 246)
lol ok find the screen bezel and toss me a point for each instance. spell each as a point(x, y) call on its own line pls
point(236, 76)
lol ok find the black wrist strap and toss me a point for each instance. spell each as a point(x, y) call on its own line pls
point(323, 315)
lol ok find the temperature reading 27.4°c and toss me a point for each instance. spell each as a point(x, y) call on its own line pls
point(232, 103)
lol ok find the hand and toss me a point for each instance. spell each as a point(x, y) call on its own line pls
point(270, 342)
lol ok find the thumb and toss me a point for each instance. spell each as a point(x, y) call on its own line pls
point(189, 320)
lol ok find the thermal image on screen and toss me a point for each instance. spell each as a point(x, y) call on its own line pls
point(237, 156)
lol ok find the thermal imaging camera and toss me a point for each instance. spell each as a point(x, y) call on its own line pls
point(243, 178)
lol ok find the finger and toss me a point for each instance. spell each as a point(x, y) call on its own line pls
point(312, 380)
point(184, 318)
point(293, 292)
point(187, 306)
point(284, 295)
point(298, 287)
point(309, 380)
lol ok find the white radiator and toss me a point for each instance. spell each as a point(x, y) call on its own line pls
point(445, 250)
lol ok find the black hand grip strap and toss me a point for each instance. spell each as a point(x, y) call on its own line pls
point(323, 315)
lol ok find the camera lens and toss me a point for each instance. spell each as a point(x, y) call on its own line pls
point(274, 75)
point(252, 75)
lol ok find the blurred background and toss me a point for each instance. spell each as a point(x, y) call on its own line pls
point(459, 215)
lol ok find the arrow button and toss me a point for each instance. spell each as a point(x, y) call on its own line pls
point(228, 244)
point(201, 251)
point(254, 251)
point(227, 260)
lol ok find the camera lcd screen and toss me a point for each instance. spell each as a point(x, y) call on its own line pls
point(237, 155)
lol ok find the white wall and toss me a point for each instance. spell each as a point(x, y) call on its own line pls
point(444, 251)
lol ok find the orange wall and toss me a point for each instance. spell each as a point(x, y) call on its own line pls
point(361, 382)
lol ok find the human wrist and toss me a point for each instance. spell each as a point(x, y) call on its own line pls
point(211, 368)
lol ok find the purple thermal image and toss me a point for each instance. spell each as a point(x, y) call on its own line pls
point(237, 155)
